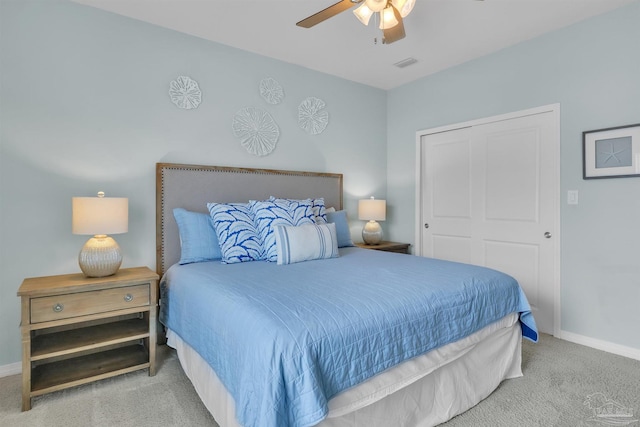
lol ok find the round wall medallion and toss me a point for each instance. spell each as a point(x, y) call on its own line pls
point(271, 91)
point(257, 131)
point(311, 115)
point(185, 93)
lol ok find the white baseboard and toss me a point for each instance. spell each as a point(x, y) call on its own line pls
point(11, 369)
point(609, 347)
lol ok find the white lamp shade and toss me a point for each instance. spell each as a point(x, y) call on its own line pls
point(376, 5)
point(100, 215)
point(372, 209)
point(404, 6)
point(388, 19)
point(363, 13)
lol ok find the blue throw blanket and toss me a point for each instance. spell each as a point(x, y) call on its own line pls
point(284, 339)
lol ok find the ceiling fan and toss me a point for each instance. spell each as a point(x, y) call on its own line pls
point(391, 13)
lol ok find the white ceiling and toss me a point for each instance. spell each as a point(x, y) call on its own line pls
point(440, 33)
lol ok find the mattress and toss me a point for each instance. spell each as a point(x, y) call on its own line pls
point(286, 340)
point(424, 391)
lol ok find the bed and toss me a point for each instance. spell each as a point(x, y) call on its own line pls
point(354, 338)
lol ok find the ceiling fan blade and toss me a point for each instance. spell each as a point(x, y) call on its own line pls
point(395, 33)
point(327, 13)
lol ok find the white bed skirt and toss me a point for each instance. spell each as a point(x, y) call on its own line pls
point(424, 391)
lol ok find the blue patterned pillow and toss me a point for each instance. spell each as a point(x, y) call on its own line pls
point(319, 210)
point(306, 243)
point(198, 239)
point(236, 231)
point(269, 213)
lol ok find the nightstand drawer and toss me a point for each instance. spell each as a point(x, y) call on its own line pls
point(58, 307)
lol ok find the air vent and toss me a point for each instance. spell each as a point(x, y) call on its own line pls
point(406, 62)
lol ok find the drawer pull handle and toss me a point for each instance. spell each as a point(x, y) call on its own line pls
point(58, 308)
point(128, 297)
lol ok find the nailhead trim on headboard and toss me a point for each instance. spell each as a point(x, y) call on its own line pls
point(192, 186)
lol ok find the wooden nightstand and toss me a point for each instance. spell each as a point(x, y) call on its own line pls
point(401, 248)
point(76, 330)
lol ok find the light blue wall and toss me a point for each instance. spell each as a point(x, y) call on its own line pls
point(593, 70)
point(85, 107)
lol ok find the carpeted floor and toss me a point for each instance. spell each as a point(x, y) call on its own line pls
point(130, 400)
point(558, 378)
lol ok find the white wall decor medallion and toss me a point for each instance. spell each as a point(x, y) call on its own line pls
point(271, 91)
point(311, 115)
point(256, 129)
point(185, 93)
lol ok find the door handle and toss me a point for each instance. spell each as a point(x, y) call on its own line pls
point(547, 235)
point(426, 225)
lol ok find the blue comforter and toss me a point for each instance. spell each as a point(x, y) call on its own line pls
point(284, 339)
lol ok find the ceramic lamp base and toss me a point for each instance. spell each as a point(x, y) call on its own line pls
point(372, 233)
point(100, 257)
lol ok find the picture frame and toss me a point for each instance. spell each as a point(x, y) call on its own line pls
point(611, 152)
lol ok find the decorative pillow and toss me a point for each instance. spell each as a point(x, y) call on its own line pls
point(319, 214)
point(270, 213)
point(305, 243)
point(331, 209)
point(319, 211)
point(339, 218)
point(236, 231)
point(198, 239)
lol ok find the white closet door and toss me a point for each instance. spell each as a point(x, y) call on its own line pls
point(489, 198)
point(447, 195)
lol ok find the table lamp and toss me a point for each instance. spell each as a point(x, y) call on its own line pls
point(372, 210)
point(101, 255)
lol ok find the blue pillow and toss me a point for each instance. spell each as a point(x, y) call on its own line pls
point(198, 240)
point(269, 213)
point(339, 218)
point(237, 234)
point(306, 243)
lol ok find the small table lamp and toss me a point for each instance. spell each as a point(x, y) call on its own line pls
point(101, 255)
point(372, 210)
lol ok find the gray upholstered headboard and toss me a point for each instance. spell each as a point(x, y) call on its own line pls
point(192, 186)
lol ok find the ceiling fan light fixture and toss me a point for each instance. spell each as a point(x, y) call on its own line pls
point(388, 18)
point(376, 5)
point(404, 6)
point(363, 13)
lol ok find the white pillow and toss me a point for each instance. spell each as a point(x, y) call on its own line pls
point(305, 242)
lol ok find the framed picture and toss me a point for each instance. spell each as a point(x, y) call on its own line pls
point(612, 152)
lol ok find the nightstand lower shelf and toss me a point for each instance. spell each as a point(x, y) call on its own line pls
point(79, 340)
point(84, 369)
